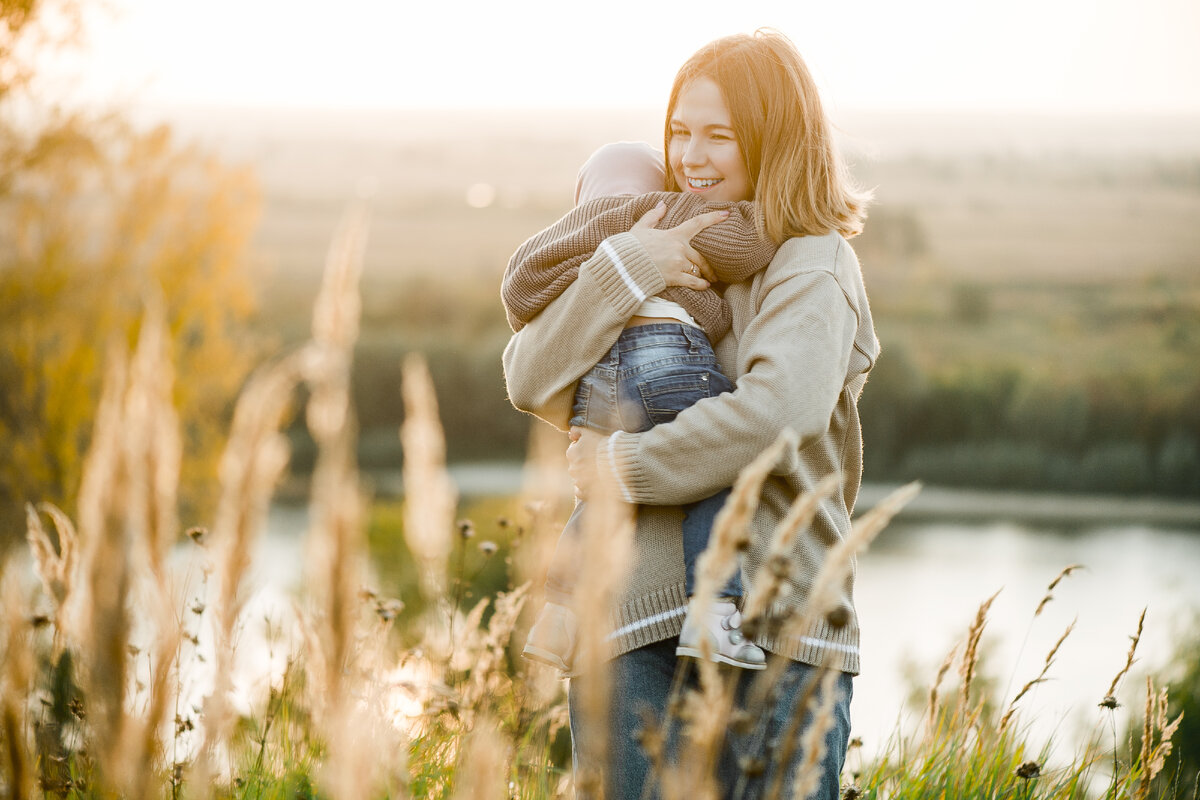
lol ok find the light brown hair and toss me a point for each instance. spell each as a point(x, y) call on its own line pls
point(801, 184)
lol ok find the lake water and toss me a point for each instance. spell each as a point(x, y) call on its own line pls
point(919, 586)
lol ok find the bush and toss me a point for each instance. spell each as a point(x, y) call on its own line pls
point(1122, 467)
point(1178, 464)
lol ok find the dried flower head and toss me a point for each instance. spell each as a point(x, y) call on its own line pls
point(752, 766)
point(741, 720)
point(780, 566)
point(388, 609)
point(1050, 589)
point(838, 618)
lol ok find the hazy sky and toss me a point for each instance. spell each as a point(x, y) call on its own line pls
point(1023, 55)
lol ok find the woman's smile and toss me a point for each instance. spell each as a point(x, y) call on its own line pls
point(700, 184)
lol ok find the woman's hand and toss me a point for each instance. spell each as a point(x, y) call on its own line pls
point(671, 250)
point(581, 461)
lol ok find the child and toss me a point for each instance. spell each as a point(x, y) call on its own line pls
point(651, 373)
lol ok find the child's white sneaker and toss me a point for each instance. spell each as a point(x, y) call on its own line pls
point(552, 638)
point(720, 624)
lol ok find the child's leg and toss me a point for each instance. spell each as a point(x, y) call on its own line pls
point(564, 564)
point(697, 527)
point(594, 408)
point(718, 622)
point(663, 370)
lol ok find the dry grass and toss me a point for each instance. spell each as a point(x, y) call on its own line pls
point(88, 682)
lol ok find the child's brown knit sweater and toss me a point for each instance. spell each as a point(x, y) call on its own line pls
point(549, 261)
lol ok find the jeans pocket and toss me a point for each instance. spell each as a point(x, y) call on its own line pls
point(664, 396)
point(718, 383)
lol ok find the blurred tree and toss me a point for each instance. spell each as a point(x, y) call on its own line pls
point(96, 218)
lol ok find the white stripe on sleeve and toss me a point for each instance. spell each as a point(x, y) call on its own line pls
point(616, 259)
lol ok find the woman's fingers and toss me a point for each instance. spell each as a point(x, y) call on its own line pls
point(690, 227)
point(671, 251)
point(581, 461)
point(651, 217)
point(686, 274)
point(701, 264)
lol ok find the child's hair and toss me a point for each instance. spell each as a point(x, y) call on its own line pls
point(800, 182)
point(620, 168)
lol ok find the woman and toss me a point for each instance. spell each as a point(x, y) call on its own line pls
point(744, 121)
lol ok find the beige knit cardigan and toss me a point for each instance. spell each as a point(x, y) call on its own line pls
point(800, 347)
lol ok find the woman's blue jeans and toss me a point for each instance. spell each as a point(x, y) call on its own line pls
point(650, 374)
point(642, 681)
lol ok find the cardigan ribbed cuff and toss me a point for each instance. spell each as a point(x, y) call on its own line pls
point(620, 458)
point(822, 645)
point(647, 619)
point(626, 275)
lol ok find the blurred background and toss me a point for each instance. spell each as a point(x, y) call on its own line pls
point(1033, 262)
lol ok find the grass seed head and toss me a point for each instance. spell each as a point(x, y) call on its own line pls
point(1110, 695)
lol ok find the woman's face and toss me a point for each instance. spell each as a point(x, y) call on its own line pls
point(704, 154)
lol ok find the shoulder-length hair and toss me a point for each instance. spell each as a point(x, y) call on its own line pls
point(801, 184)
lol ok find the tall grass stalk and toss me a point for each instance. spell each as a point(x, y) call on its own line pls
point(606, 547)
point(429, 512)
point(16, 683)
point(250, 468)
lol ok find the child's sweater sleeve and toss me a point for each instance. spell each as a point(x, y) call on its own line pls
point(549, 261)
point(735, 248)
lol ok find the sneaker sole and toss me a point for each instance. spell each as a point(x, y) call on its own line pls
point(541, 656)
point(693, 652)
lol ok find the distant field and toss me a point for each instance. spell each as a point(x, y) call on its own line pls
point(1038, 278)
point(997, 200)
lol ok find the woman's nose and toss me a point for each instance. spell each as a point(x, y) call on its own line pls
point(693, 153)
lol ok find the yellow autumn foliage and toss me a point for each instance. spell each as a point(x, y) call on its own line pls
point(97, 219)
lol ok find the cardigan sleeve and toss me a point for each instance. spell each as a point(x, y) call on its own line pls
point(793, 360)
point(544, 359)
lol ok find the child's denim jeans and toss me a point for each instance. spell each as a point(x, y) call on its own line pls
point(650, 374)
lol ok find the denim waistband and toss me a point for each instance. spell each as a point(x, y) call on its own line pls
point(661, 333)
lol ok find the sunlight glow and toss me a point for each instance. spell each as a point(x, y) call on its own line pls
point(1073, 55)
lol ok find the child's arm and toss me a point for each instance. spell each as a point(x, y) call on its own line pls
point(549, 261)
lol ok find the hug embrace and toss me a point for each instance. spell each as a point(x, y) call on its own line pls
point(695, 306)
